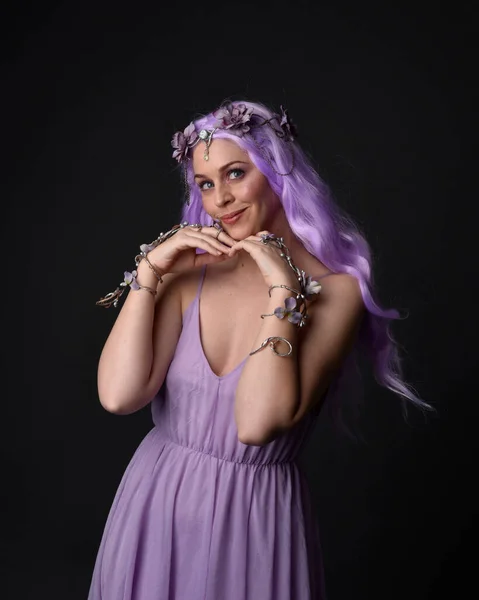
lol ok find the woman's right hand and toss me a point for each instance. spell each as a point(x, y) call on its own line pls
point(178, 253)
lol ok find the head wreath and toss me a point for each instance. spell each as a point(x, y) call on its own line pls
point(238, 120)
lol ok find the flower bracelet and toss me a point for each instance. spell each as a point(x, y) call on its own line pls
point(112, 298)
point(295, 309)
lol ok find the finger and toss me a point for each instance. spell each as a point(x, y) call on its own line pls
point(211, 241)
point(221, 235)
point(248, 244)
point(251, 239)
point(210, 232)
point(208, 245)
point(208, 259)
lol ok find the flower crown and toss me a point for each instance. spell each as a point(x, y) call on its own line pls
point(236, 119)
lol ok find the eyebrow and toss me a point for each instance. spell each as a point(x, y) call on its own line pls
point(221, 169)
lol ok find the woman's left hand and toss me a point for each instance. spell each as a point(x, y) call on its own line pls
point(273, 267)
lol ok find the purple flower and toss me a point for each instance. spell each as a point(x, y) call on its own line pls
point(145, 248)
point(309, 287)
point(289, 311)
point(312, 288)
point(130, 279)
point(266, 237)
point(287, 126)
point(234, 117)
point(183, 140)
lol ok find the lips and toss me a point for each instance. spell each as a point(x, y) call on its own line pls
point(232, 217)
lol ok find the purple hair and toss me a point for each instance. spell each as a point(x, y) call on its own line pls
point(328, 233)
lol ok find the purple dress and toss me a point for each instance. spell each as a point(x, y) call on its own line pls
point(200, 516)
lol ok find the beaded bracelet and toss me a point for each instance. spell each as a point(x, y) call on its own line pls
point(294, 310)
point(140, 257)
point(112, 298)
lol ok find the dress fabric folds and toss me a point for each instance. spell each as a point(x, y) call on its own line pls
point(200, 516)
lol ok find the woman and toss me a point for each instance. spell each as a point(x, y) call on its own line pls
point(235, 329)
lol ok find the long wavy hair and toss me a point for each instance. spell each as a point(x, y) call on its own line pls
point(332, 236)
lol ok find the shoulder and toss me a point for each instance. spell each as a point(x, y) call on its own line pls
point(339, 302)
point(177, 285)
point(338, 310)
point(185, 286)
point(341, 285)
point(334, 318)
point(340, 298)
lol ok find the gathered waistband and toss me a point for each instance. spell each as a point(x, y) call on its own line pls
point(270, 463)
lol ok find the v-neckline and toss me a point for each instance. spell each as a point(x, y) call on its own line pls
point(198, 328)
point(200, 343)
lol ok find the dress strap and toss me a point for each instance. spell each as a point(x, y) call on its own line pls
point(326, 274)
point(195, 301)
point(200, 282)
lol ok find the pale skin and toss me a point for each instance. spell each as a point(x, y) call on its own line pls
point(273, 393)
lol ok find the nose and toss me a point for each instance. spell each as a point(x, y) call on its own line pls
point(223, 195)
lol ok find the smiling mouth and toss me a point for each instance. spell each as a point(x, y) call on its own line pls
point(232, 215)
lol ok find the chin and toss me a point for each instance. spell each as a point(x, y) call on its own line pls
point(244, 228)
point(246, 232)
point(241, 232)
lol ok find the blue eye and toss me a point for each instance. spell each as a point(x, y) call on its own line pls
point(240, 171)
point(232, 174)
point(203, 183)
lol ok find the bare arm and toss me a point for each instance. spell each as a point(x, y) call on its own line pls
point(268, 389)
point(141, 344)
point(129, 373)
point(275, 393)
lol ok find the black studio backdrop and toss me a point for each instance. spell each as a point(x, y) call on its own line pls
point(382, 99)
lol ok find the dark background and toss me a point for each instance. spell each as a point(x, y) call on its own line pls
point(383, 99)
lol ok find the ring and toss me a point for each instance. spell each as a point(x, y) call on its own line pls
point(197, 226)
point(267, 237)
point(217, 226)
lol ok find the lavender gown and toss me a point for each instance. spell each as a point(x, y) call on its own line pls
point(200, 516)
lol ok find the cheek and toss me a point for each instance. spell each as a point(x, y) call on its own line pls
point(255, 191)
point(208, 205)
point(248, 192)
